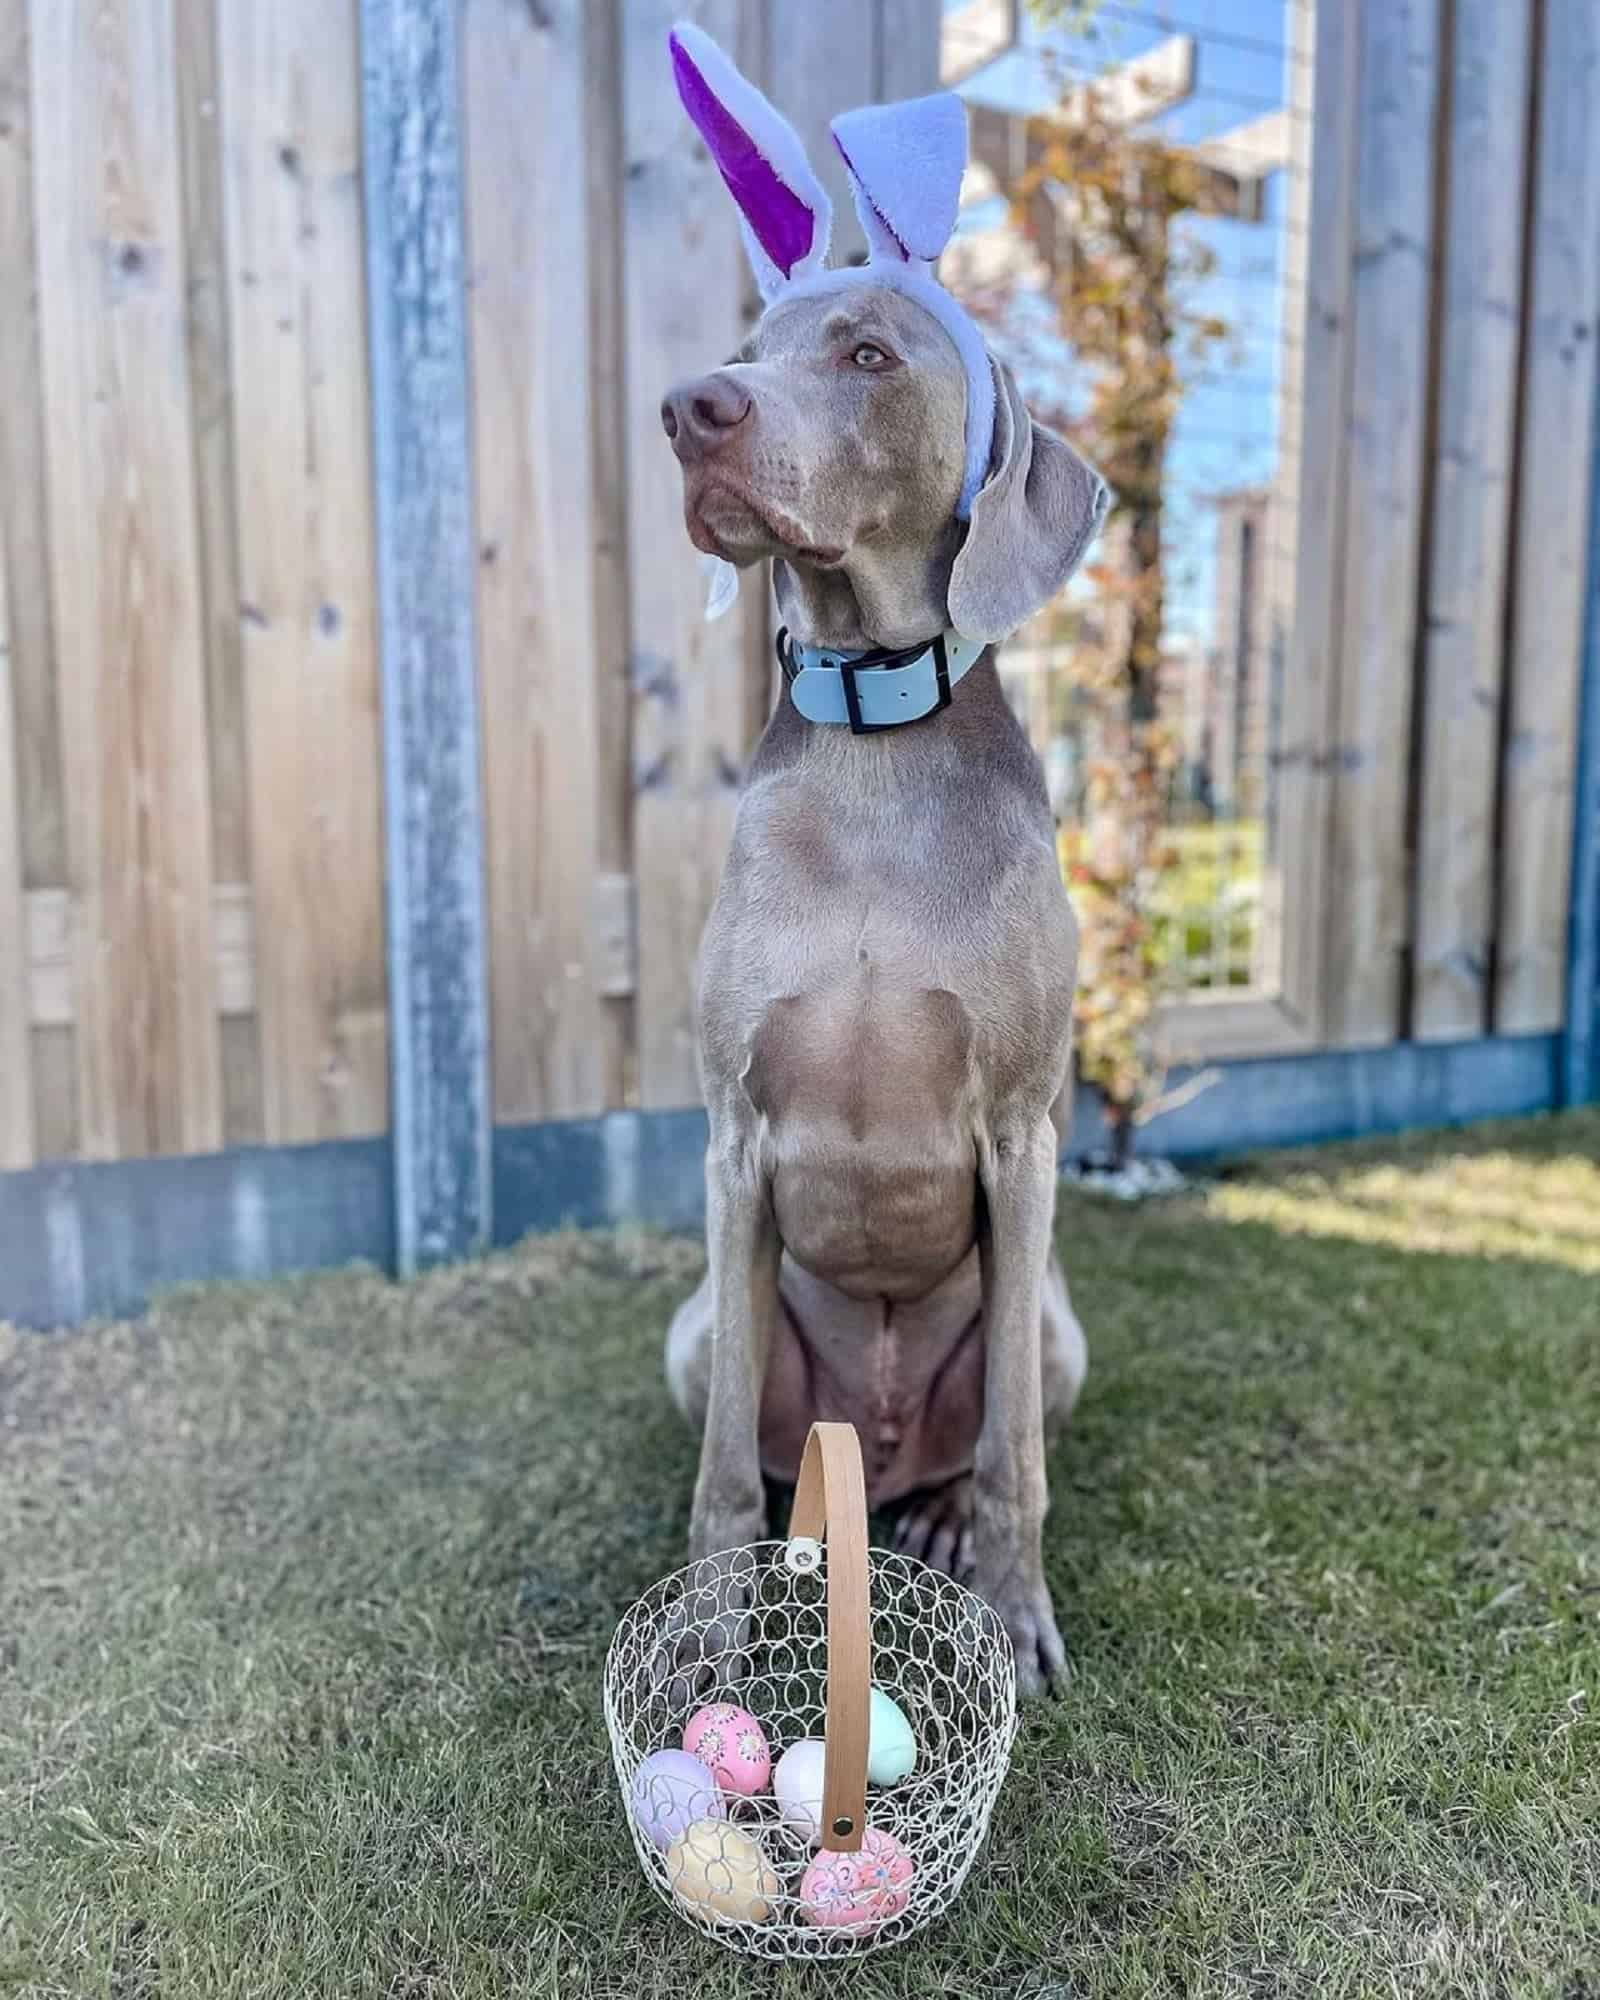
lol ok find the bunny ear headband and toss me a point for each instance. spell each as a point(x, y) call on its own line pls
point(905, 162)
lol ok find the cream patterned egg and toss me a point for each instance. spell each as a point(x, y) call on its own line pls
point(718, 1870)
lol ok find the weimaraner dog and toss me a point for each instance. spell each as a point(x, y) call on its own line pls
point(886, 979)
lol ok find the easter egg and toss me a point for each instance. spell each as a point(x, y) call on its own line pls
point(797, 1784)
point(718, 1871)
point(858, 1892)
point(891, 1747)
point(733, 1744)
point(670, 1790)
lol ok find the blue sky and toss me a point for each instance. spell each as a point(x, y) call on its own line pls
point(1226, 432)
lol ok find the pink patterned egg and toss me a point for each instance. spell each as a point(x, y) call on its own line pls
point(859, 1892)
point(733, 1744)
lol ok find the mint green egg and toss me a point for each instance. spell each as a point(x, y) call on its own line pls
point(891, 1747)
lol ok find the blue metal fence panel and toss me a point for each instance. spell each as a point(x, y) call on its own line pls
point(82, 1240)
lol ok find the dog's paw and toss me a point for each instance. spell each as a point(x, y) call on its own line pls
point(936, 1527)
point(703, 1646)
point(1024, 1608)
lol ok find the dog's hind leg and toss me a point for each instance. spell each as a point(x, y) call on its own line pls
point(936, 1524)
point(689, 1355)
point(787, 1395)
point(1063, 1352)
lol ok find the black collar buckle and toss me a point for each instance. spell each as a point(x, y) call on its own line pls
point(873, 662)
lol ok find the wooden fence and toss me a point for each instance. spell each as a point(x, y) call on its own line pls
point(190, 809)
point(192, 893)
point(1428, 607)
point(185, 494)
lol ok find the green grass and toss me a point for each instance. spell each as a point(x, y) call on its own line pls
point(304, 1591)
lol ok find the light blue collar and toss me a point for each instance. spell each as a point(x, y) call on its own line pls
point(879, 690)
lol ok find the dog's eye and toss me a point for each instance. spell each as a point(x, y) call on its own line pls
point(868, 356)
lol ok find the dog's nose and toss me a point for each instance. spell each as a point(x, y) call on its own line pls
point(699, 417)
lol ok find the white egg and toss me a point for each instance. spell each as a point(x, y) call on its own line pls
point(797, 1785)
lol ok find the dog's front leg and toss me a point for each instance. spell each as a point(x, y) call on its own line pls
point(744, 1250)
point(1018, 1172)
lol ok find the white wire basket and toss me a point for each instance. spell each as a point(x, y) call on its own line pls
point(797, 1643)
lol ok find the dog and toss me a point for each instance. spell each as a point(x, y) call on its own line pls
point(886, 979)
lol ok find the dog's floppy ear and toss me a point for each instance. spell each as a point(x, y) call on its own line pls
point(906, 162)
point(784, 212)
point(1032, 522)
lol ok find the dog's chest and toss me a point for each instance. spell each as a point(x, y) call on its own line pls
point(866, 946)
point(872, 970)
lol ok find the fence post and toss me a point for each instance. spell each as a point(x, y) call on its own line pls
point(438, 1009)
point(1580, 1045)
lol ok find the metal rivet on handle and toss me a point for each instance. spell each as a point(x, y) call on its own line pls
point(844, 1824)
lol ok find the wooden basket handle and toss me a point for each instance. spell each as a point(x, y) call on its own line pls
point(831, 1495)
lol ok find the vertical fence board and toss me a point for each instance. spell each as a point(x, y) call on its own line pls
point(533, 395)
point(432, 738)
point(300, 431)
point(1580, 1045)
point(1368, 883)
point(1558, 407)
point(16, 1086)
point(24, 539)
point(823, 58)
point(684, 281)
point(908, 49)
point(1464, 590)
point(125, 574)
point(1305, 783)
point(57, 1128)
point(609, 458)
point(24, 556)
point(210, 392)
point(1283, 501)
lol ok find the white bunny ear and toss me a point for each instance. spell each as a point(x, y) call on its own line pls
point(906, 162)
point(784, 213)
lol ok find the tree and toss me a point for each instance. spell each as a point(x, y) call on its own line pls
point(1098, 200)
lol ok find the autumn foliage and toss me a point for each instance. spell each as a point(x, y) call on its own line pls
point(1099, 202)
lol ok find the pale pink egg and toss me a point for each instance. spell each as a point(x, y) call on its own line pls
point(859, 1892)
point(733, 1744)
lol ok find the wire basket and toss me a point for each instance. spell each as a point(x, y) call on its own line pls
point(804, 1639)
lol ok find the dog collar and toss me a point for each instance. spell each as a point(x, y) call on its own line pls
point(879, 690)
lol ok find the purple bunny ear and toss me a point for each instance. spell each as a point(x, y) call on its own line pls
point(906, 161)
point(783, 210)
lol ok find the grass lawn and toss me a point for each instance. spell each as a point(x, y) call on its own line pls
point(304, 1591)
